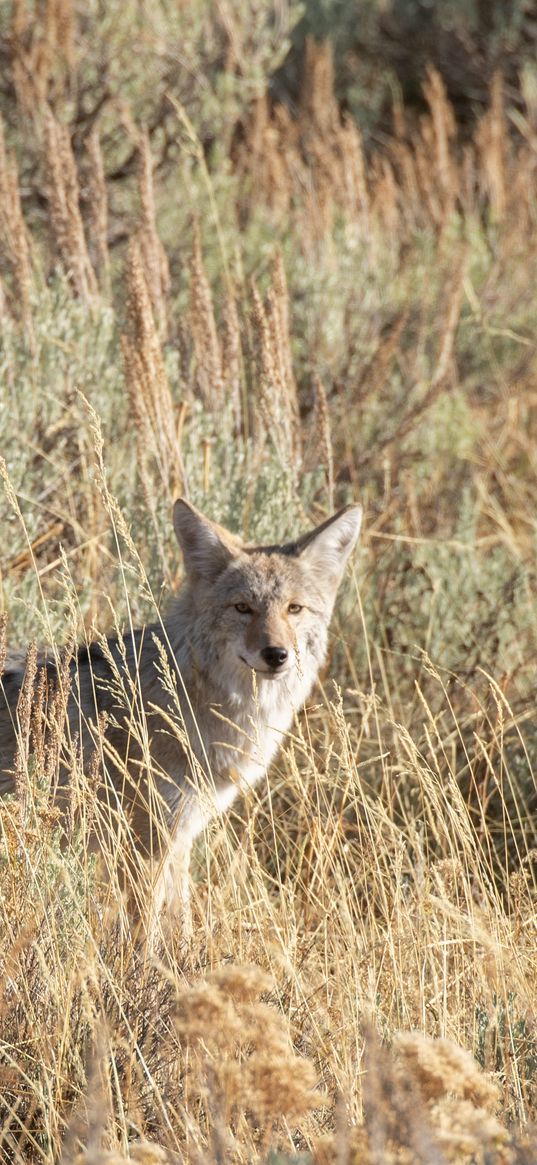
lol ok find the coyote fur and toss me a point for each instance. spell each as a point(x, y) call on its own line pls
point(215, 686)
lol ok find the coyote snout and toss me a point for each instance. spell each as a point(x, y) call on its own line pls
point(269, 645)
point(188, 712)
point(275, 657)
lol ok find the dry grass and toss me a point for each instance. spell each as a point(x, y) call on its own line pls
point(362, 984)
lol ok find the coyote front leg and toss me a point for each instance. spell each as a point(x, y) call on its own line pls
point(171, 889)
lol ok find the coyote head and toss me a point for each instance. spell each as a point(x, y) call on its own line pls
point(262, 609)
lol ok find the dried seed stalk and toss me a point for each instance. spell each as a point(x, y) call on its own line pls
point(25, 708)
point(63, 196)
point(14, 238)
point(323, 434)
point(231, 359)
point(278, 403)
point(202, 323)
point(154, 259)
point(98, 210)
point(492, 145)
point(444, 127)
point(146, 379)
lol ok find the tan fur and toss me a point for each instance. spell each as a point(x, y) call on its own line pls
point(194, 711)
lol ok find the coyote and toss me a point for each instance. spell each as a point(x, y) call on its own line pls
point(188, 712)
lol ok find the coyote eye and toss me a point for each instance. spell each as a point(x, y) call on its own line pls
point(294, 608)
point(243, 609)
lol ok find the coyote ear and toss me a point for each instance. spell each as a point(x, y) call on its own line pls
point(207, 548)
point(328, 548)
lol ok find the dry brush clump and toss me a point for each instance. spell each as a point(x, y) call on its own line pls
point(243, 1077)
point(313, 164)
point(424, 1100)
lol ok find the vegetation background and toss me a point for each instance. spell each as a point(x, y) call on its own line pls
point(280, 256)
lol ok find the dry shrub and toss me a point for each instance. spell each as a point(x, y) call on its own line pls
point(458, 1098)
point(425, 1101)
point(242, 1071)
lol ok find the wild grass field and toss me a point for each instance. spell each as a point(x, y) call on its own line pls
point(217, 281)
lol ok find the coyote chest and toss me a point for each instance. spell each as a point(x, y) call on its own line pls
point(243, 740)
point(254, 737)
point(233, 758)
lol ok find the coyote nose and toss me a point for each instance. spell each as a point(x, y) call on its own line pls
point(274, 656)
